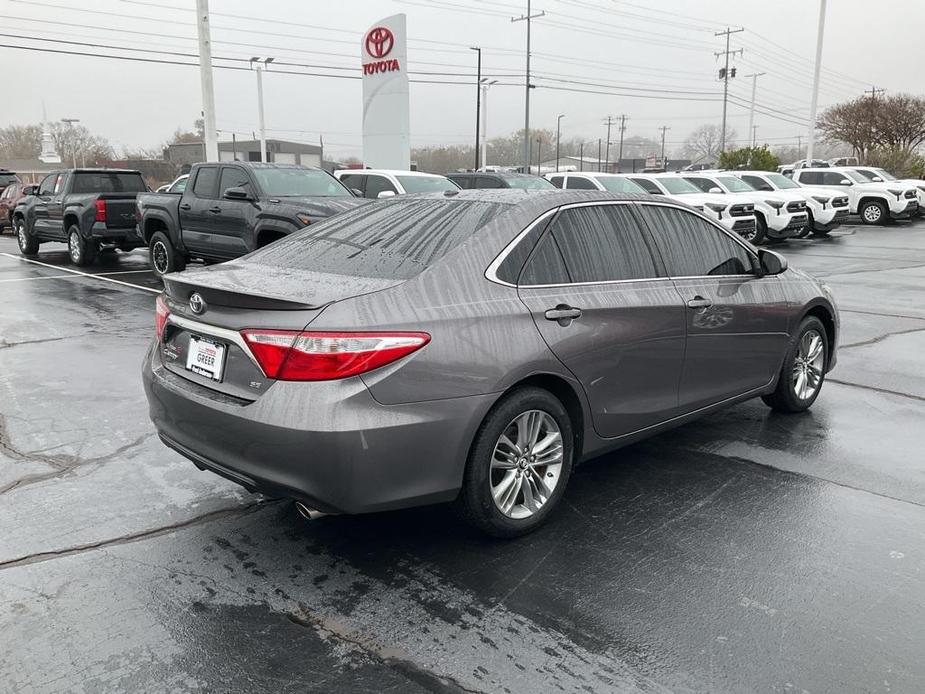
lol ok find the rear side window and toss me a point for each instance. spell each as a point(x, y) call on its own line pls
point(579, 183)
point(692, 247)
point(546, 265)
point(603, 243)
point(354, 181)
point(388, 240)
point(206, 178)
point(556, 180)
point(93, 182)
point(488, 182)
point(810, 177)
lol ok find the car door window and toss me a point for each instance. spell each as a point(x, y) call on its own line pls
point(579, 183)
point(377, 184)
point(810, 177)
point(705, 184)
point(692, 247)
point(48, 184)
point(556, 180)
point(603, 243)
point(353, 181)
point(833, 178)
point(647, 185)
point(758, 183)
point(206, 180)
point(233, 177)
point(488, 182)
point(546, 265)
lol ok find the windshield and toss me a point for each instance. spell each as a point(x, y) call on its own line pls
point(855, 176)
point(780, 181)
point(678, 186)
point(426, 184)
point(734, 185)
point(619, 185)
point(529, 183)
point(292, 183)
point(106, 182)
point(389, 240)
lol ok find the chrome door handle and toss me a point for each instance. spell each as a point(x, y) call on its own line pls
point(563, 314)
point(699, 302)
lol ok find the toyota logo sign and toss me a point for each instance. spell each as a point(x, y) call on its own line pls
point(379, 42)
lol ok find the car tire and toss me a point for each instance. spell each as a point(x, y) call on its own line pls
point(873, 212)
point(28, 244)
point(511, 471)
point(803, 371)
point(761, 231)
point(163, 256)
point(81, 251)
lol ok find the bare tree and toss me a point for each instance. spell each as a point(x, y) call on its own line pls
point(851, 122)
point(703, 144)
point(900, 122)
point(76, 142)
point(20, 142)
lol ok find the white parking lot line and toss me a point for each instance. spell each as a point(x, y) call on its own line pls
point(82, 274)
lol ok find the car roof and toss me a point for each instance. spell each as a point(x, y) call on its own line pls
point(391, 172)
point(543, 197)
point(265, 165)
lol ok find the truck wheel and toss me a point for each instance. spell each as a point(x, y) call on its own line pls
point(761, 230)
point(28, 244)
point(81, 250)
point(873, 212)
point(163, 256)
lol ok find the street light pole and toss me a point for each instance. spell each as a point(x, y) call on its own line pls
point(814, 104)
point(558, 132)
point(478, 105)
point(664, 129)
point(205, 79)
point(751, 112)
point(70, 128)
point(260, 63)
point(485, 85)
point(526, 18)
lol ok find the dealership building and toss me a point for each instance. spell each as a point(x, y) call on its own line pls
point(278, 151)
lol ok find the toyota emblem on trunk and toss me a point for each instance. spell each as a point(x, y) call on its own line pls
point(196, 303)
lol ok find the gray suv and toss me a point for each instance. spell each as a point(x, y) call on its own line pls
point(472, 346)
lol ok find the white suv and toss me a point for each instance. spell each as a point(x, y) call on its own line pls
point(592, 180)
point(826, 210)
point(876, 203)
point(775, 217)
point(732, 213)
point(384, 183)
point(878, 175)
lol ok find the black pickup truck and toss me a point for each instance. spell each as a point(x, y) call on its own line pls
point(89, 209)
point(229, 209)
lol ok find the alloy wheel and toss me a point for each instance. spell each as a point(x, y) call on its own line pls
point(526, 464)
point(808, 364)
point(21, 235)
point(160, 257)
point(73, 247)
point(872, 213)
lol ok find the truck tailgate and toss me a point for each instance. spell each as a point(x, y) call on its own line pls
point(120, 210)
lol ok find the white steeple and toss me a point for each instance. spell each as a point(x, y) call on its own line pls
point(48, 155)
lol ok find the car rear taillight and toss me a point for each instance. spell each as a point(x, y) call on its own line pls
point(161, 312)
point(323, 356)
point(101, 210)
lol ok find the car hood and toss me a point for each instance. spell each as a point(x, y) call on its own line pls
point(319, 206)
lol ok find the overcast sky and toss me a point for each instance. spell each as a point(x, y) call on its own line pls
point(630, 49)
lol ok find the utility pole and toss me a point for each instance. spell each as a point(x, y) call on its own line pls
point(754, 136)
point(558, 132)
point(799, 146)
point(70, 128)
point(751, 113)
point(725, 77)
point(873, 92)
point(478, 105)
point(664, 129)
point(622, 129)
point(205, 79)
point(609, 122)
point(539, 155)
point(598, 155)
point(526, 18)
point(814, 104)
point(260, 64)
point(485, 85)
point(581, 156)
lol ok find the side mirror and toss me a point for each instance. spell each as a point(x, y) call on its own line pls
point(236, 194)
point(877, 179)
point(356, 192)
point(386, 194)
point(771, 263)
point(844, 182)
point(715, 189)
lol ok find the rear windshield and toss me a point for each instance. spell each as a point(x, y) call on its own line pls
point(426, 184)
point(296, 183)
point(386, 240)
point(93, 182)
point(529, 183)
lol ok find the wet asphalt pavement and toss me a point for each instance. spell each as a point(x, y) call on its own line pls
point(747, 552)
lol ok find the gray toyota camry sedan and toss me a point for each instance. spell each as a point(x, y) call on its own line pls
point(473, 346)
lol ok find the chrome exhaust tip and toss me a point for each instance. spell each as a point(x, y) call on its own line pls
point(308, 513)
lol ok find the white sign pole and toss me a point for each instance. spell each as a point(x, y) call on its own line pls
point(386, 109)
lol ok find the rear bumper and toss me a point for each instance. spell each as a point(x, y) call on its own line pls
point(125, 236)
point(329, 444)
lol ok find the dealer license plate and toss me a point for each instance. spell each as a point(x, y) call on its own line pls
point(205, 358)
